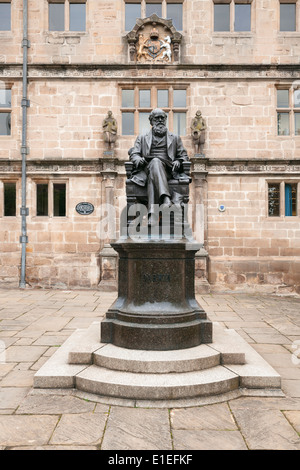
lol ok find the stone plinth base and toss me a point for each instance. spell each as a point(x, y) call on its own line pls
point(202, 374)
point(156, 307)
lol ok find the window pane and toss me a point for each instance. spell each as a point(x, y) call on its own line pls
point(9, 199)
point(42, 199)
point(127, 98)
point(5, 124)
point(179, 123)
point(297, 98)
point(59, 200)
point(5, 98)
point(242, 18)
point(221, 17)
point(174, 12)
point(283, 123)
point(290, 200)
point(297, 123)
point(152, 8)
point(179, 98)
point(127, 123)
point(56, 16)
point(163, 98)
point(282, 98)
point(144, 123)
point(132, 12)
point(288, 17)
point(5, 16)
point(145, 98)
point(274, 200)
point(77, 16)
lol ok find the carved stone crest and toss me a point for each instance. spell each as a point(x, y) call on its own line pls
point(154, 40)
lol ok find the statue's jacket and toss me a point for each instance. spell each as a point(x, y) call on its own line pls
point(142, 148)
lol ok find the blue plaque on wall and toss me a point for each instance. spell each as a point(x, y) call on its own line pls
point(84, 208)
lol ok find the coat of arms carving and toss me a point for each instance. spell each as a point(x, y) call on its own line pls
point(154, 40)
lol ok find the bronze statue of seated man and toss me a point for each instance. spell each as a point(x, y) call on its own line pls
point(157, 157)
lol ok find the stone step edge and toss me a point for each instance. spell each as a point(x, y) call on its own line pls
point(90, 346)
point(128, 385)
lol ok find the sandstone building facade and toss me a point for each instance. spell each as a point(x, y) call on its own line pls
point(236, 61)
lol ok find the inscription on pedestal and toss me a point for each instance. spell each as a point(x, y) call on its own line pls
point(156, 278)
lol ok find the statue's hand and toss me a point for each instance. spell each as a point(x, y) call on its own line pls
point(139, 162)
point(176, 165)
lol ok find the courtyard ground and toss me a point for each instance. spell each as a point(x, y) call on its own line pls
point(35, 322)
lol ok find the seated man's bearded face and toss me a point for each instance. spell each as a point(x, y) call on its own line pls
point(159, 125)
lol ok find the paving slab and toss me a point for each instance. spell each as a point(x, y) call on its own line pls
point(266, 429)
point(138, 429)
point(208, 440)
point(26, 430)
point(83, 428)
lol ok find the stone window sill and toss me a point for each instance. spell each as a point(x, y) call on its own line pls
point(233, 34)
point(65, 34)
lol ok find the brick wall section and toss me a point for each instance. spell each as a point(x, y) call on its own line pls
point(246, 246)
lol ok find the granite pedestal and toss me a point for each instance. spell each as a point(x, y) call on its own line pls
point(156, 307)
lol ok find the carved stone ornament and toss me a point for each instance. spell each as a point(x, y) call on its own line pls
point(154, 40)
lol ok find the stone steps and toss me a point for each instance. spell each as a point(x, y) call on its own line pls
point(227, 365)
point(156, 362)
point(167, 386)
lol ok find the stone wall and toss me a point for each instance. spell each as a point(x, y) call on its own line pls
point(75, 78)
point(104, 40)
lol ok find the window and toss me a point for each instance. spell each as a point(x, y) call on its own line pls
point(288, 111)
point(5, 111)
point(145, 8)
point(174, 11)
point(59, 200)
point(287, 16)
point(138, 102)
point(221, 17)
point(51, 199)
point(9, 199)
point(42, 199)
point(274, 200)
point(283, 199)
point(153, 8)
point(77, 16)
point(5, 16)
point(67, 16)
point(132, 12)
point(232, 16)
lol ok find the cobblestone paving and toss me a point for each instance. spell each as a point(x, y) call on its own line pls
point(34, 323)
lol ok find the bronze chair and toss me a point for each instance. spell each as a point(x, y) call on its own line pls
point(179, 189)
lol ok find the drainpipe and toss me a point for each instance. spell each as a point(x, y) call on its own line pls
point(24, 150)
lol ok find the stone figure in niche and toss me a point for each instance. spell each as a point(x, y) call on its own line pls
point(157, 157)
point(110, 129)
point(198, 128)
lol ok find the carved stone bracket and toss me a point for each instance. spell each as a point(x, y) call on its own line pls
point(160, 27)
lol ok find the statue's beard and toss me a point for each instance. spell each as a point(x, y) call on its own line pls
point(159, 129)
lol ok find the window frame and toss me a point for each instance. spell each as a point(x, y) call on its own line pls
point(232, 4)
point(50, 183)
point(291, 110)
point(67, 4)
point(297, 17)
point(282, 203)
point(4, 181)
point(170, 109)
point(7, 110)
point(164, 9)
point(5, 31)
